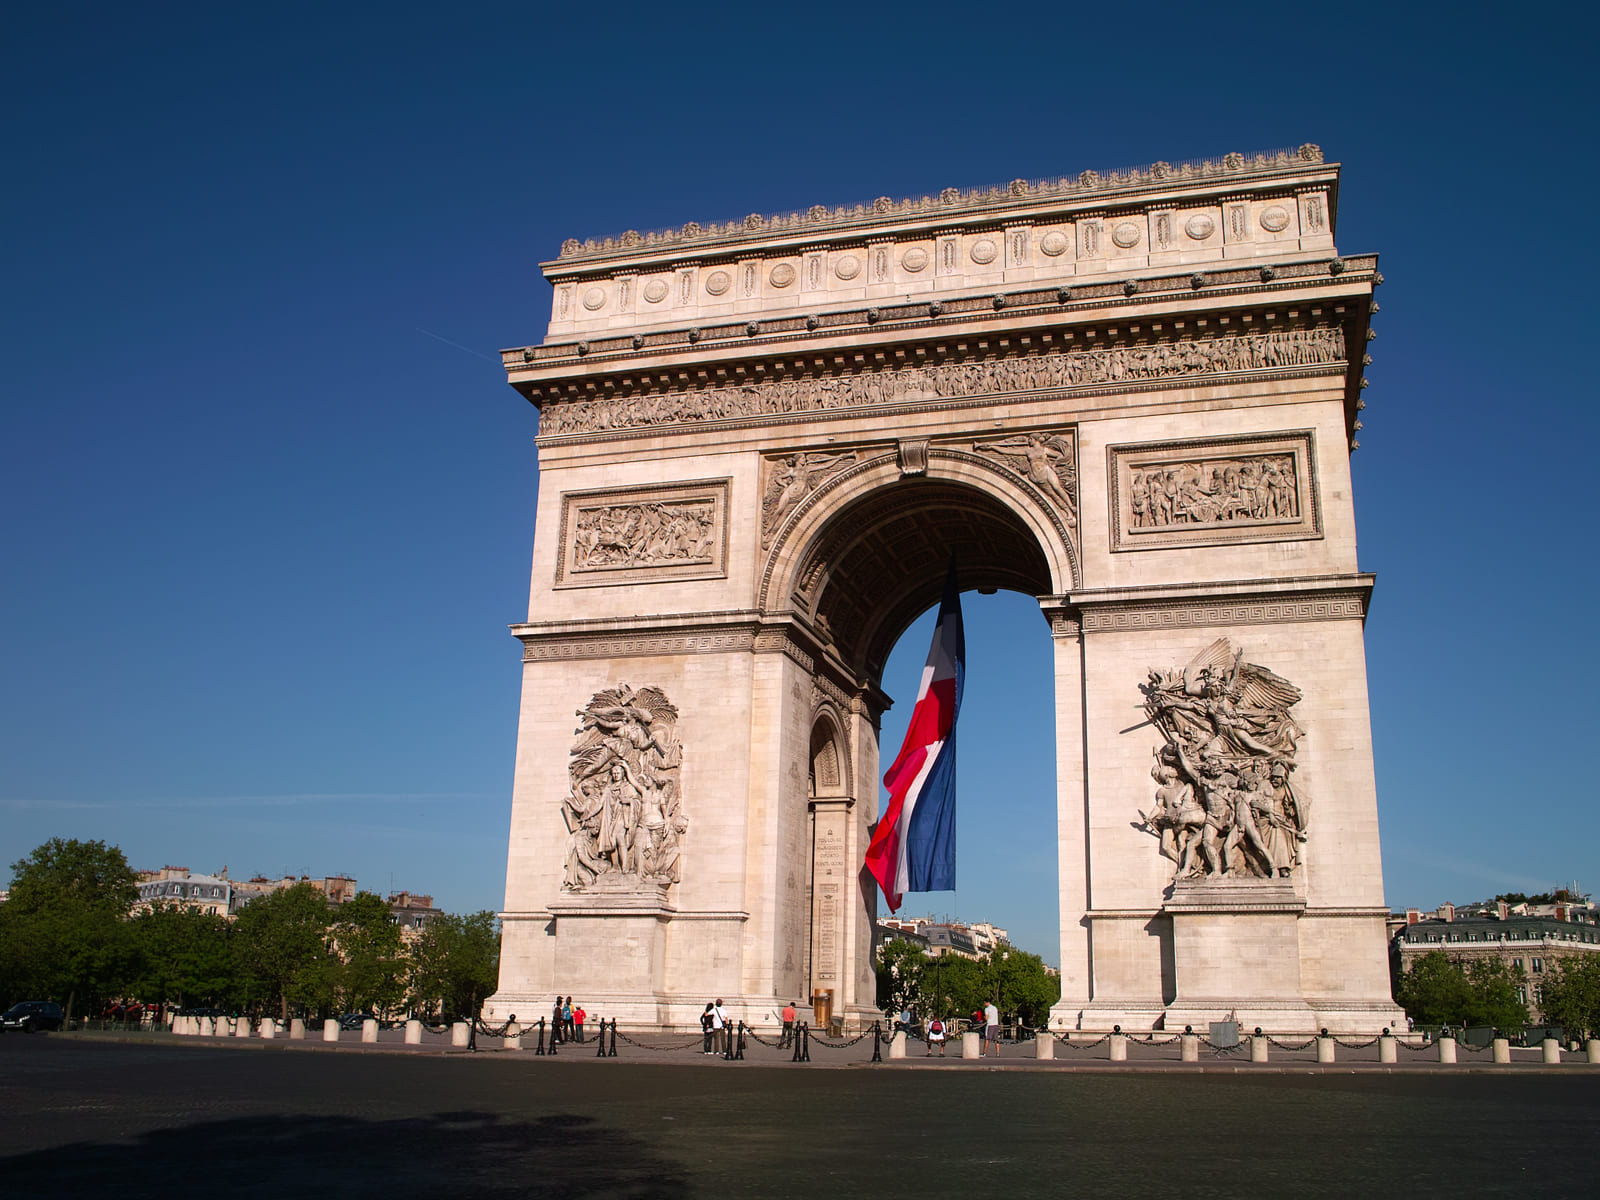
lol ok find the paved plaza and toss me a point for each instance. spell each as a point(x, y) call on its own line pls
point(100, 1117)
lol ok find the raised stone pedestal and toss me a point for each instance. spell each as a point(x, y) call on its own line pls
point(1236, 949)
point(610, 946)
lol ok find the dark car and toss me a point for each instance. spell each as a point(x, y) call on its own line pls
point(32, 1015)
point(351, 1022)
point(203, 1012)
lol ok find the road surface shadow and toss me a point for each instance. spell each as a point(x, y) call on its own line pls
point(462, 1155)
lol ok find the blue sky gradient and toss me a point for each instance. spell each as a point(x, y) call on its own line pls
point(268, 503)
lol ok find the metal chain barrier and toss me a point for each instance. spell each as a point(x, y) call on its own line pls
point(1282, 1045)
point(1352, 1045)
point(697, 1040)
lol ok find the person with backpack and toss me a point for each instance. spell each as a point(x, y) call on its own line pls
point(705, 1029)
point(935, 1037)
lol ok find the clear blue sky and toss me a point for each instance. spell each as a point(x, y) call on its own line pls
point(268, 501)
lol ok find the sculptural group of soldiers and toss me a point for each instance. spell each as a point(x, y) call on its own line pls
point(1255, 489)
point(1225, 804)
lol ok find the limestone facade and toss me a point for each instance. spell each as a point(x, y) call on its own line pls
point(1132, 396)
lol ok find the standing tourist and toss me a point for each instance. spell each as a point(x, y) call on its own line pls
point(788, 1027)
point(991, 1029)
point(566, 1019)
point(705, 1029)
point(578, 1017)
point(719, 1027)
point(556, 1024)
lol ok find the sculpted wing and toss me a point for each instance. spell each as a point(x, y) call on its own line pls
point(1218, 657)
point(653, 701)
point(1260, 688)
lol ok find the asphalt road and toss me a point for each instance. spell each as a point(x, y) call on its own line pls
point(92, 1118)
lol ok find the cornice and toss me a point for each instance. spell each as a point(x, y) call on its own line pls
point(1231, 602)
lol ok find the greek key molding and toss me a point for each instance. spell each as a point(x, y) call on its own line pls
point(1169, 614)
point(1214, 491)
point(647, 534)
point(632, 645)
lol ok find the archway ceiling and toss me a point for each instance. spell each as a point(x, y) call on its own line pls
point(882, 561)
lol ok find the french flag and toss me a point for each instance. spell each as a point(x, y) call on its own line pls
point(914, 846)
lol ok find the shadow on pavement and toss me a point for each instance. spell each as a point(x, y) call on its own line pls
point(465, 1155)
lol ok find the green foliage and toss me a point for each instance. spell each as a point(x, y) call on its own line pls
point(183, 957)
point(370, 973)
point(1013, 980)
point(455, 964)
point(1021, 988)
point(282, 949)
point(1571, 995)
point(63, 935)
point(1438, 991)
point(899, 970)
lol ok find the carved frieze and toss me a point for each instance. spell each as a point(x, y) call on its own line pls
point(1225, 804)
point(788, 479)
point(1260, 488)
point(644, 535)
point(1046, 460)
point(1198, 357)
point(624, 812)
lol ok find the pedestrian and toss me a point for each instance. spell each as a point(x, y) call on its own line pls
point(705, 1029)
point(935, 1037)
point(566, 1019)
point(788, 1027)
point(991, 1029)
point(719, 1027)
point(556, 1024)
point(578, 1016)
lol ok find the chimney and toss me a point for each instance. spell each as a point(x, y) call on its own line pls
point(1413, 916)
point(1561, 912)
point(1447, 911)
point(1503, 909)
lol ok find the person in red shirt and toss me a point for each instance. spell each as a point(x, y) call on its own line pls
point(578, 1016)
point(788, 1026)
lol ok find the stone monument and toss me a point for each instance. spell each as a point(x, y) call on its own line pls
point(1132, 396)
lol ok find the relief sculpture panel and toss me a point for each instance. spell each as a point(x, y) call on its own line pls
point(1046, 460)
point(1225, 805)
point(1255, 489)
point(789, 479)
point(644, 535)
point(624, 813)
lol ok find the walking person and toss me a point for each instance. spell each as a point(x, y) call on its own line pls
point(705, 1029)
point(991, 1029)
point(788, 1027)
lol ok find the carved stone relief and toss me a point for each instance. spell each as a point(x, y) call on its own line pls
point(789, 479)
point(1046, 460)
point(1260, 488)
point(1225, 806)
point(1073, 368)
point(672, 531)
point(624, 813)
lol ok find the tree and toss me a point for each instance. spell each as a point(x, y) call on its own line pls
point(1020, 986)
point(1571, 997)
point(65, 920)
point(183, 956)
point(1438, 991)
point(367, 941)
point(455, 964)
point(900, 966)
point(282, 948)
point(1494, 985)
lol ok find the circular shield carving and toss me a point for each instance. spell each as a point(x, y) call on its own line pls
point(1200, 227)
point(1054, 244)
point(718, 282)
point(848, 267)
point(1275, 219)
point(915, 259)
point(655, 291)
point(983, 251)
point(594, 298)
point(782, 275)
point(1126, 235)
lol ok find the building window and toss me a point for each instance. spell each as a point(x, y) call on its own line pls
point(1538, 965)
point(1517, 963)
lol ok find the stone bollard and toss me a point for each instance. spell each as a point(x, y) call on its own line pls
point(1324, 1048)
point(1258, 1047)
point(1447, 1049)
point(369, 1030)
point(330, 1030)
point(180, 1026)
point(1594, 1050)
point(1191, 1047)
point(897, 1044)
point(513, 1037)
point(971, 1044)
point(1044, 1044)
point(242, 1028)
point(208, 1027)
point(460, 1032)
point(1118, 1048)
point(1502, 1050)
point(1388, 1049)
point(413, 1032)
point(297, 1029)
point(269, 1029)
point(1552, 1050)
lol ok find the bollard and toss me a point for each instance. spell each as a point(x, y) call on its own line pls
point(1447, 1049)
point(513, 1037)
point(897, 1044)
point(613, 1051)
point(1324, 1047)
point(330, 1030)
point(1259, 1046)
point(413, 1032)
point(269, 1028)
point(1044, 1044)
point(241, 1028)
point(369, 1030)
point(555, 1036)
point(460, 1034)
point(1502, 1049)
point(601, 1053)
point(1191, 1045)
point(1552, 1050)
point(297, 1029)
point(180, 1026)
point(727, 1043)
point(797, 1033)
point(971, 1045)
point(877, 1043)
point(539, 1053)
point(1594, 1050)
point(1388, 1049)
point(208, 1027)
point(739, 1053)
point(1118, 1051)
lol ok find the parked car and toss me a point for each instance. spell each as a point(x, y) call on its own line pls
point(351, 1022)
point(33, 1015)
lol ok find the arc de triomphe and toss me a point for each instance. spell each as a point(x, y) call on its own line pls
point(1132, 396)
